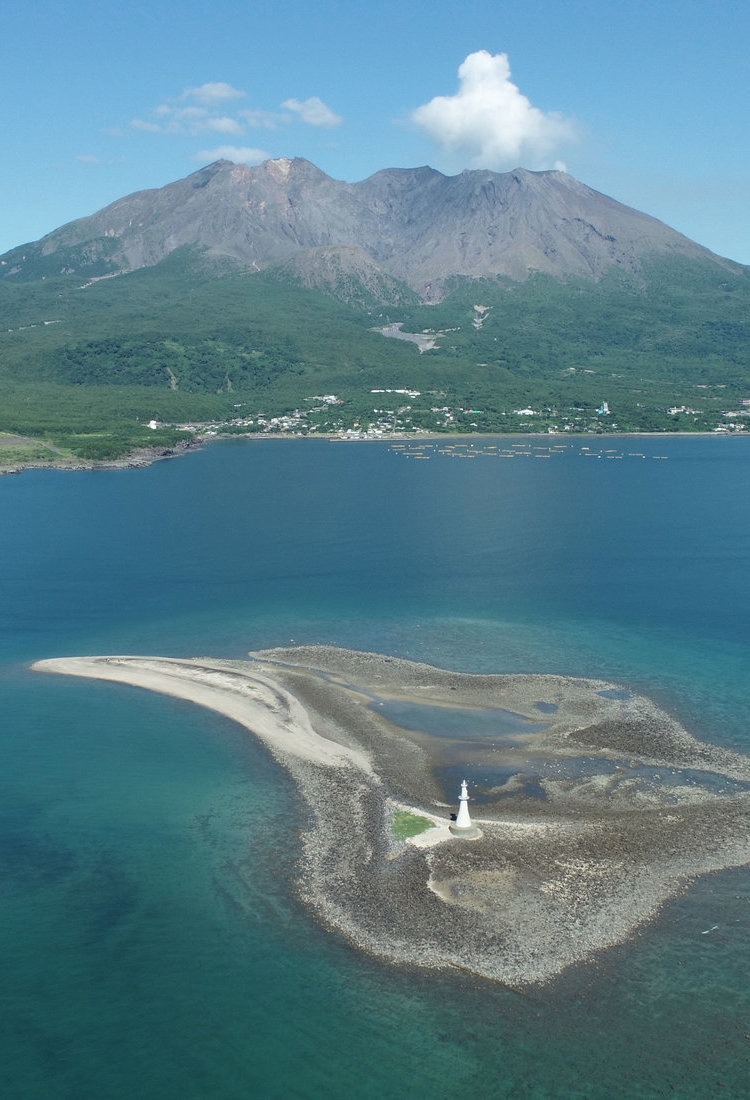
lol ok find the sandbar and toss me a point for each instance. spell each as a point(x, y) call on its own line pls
point(595, 805)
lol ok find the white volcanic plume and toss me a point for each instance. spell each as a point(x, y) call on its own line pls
point(491, 122)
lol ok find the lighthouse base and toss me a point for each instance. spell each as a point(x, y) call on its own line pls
point(465, 832)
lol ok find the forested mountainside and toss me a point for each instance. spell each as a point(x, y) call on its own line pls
point(522, 300)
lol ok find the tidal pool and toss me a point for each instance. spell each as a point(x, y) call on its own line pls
point(459, 723)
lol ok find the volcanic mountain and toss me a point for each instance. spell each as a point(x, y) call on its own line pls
point(415, 226)
point(517, 300)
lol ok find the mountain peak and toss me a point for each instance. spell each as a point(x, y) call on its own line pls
point(279, 168)
point(415, 224)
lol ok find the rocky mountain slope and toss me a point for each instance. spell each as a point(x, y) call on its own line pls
point(415, 226)
point(248, 296)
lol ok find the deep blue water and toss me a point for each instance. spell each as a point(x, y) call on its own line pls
point(151, 946)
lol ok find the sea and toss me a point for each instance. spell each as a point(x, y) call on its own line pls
point(152, 943)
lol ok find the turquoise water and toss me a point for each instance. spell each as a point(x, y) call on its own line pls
point(151, 944)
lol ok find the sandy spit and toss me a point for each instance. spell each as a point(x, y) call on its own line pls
point(253, 700)
point(551, 882)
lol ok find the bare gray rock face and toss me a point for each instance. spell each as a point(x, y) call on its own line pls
point(416, 226)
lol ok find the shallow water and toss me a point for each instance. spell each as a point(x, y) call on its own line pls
point(459, 723)
point(150, 942)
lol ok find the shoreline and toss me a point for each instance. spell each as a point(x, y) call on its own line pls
point(552, 881)
point(137, 459)
point(142, 457)
point(252, 699)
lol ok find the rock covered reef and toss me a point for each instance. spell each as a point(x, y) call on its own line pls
point(595, 805)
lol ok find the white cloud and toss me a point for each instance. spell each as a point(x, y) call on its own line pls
point(208, 109)
point(188, 120)
point(87, 158)
point(193, 112)
point(268, 120)
point(149, 127)
point(223, 125)
point(491, 122)
point(166, 110)
point(218, 92)
point(313, 111)
point(240, 154)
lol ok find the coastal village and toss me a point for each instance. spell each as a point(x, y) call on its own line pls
point(397, 412)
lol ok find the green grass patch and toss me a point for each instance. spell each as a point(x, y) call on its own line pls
point(17, 450)
point(405, 825)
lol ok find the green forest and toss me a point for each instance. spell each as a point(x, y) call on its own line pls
point(87, 363)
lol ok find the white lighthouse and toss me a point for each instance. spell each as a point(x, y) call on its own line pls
point(463, 825)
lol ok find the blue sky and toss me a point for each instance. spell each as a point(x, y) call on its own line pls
point(647, 102)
